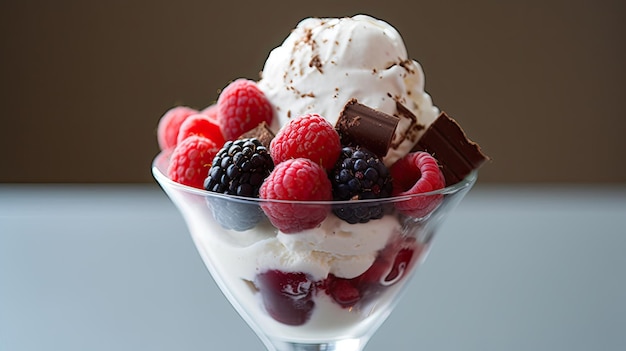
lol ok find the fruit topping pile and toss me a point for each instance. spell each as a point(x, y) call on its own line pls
point(314, 170)
point(228, 148)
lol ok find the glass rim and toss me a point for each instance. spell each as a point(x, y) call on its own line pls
point(160, 161)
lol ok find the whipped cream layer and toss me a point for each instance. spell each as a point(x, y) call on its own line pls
point(325, 62)
point(343, 249)
point(335, 247)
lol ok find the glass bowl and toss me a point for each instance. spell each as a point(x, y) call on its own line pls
point(325, 288)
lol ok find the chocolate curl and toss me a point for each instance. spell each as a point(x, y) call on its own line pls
point(455, 152)
point(363, 126)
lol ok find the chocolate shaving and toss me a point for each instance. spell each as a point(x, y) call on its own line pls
point(447, 142)
point(317, 63)
point(360, 125)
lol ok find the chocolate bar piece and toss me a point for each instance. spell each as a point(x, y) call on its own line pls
point(447, 142)
point(363, 126)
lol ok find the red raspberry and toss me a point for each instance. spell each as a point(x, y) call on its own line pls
point(200, 124)
point(191, 160)
point(211, 112)
point(242, 106)
point(169, 124)
point(416, 173)
point(344, 292)
point(310, 136)
point(298, 179)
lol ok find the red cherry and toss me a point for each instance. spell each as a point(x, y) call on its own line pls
point(287, 296)
point(376, 272)
point(400, 266)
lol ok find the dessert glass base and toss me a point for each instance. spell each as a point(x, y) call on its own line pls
point(329, 287)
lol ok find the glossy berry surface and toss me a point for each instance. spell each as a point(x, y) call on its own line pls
point(400, 265)
point(242, 106)
point(297, 179)
point(359, 175)
point(417, 173)
point(200, 124)
point(169, 125)
point(190, 161)
point(211, 112)
point(287, 296)
point(309, 136)
point(391, 265)
point(345, 292)
point(239, 168)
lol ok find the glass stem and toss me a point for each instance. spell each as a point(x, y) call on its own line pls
point(342, 345)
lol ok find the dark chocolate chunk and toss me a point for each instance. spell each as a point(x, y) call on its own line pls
point(412, 131)
point(261, 132)
point(360, 125)
point(447, 142)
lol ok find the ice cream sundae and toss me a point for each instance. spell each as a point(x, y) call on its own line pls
point(313, 191)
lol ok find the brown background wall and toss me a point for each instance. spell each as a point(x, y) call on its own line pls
point(83, 84)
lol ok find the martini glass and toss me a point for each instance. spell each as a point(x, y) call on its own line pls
point(325, 288)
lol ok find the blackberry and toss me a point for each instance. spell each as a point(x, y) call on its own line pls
point(239, 168)
point(359, 175)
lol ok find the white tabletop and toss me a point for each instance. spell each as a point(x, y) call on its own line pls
point(112, 268)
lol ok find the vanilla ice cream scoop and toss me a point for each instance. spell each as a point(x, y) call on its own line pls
point(324, 63)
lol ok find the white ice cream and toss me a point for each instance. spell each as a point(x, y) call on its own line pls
point(324, 63)
point(335, 247)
